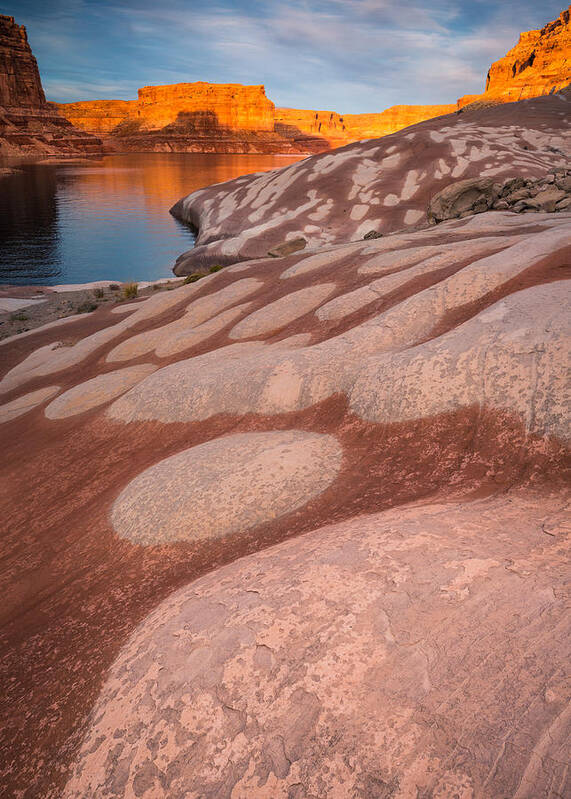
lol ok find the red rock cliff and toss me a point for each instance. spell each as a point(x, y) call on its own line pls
point(540, 63)
point(98, 116)
point(20, 83)
point(226, 105)
point(234, 106)
point(29, 125)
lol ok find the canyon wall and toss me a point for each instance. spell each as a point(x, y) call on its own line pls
point(98, 116)
point(189, 117)
point(224, 105)
point(20, 83)
point(372, 126)
point(540, 63)
point(206, 117)
point(339, 129)
point(28, 124)
point(235, 106)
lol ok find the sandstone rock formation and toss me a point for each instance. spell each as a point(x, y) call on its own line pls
point(372, 658)
point(28, 125)
point(474, 196)
point(205, 117)
point(381, 185)
point(338, 130)
point(540, 63)
point(309, 510)
point(189, 117)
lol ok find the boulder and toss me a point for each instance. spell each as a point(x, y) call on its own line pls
point(546, 200)
point(464, 196)
point(287, 248)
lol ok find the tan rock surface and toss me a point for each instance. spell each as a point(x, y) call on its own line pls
point(97, 391)
point(21, 405)
point(272, 380)
point(226, 486)
point(348, 662)
point(279, 314)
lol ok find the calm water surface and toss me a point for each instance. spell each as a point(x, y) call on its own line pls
point(106, 220)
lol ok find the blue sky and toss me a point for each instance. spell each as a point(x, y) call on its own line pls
point(349, 56)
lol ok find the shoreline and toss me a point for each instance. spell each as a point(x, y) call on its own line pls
point(28, 309)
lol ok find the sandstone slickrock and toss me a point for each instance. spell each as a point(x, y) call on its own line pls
point(25, 403)
point(418, 651)
point(405, 652)
point(385, 184)
point(226, 486)
point(97, 391)
point(28, 125)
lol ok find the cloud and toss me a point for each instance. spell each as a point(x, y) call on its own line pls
point(346, 55)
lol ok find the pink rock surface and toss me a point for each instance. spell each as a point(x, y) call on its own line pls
point(418, 651)
point(320, 645)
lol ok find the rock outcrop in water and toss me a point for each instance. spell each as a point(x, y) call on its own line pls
point(28, 125)
point(349, 462)
point(540, 63)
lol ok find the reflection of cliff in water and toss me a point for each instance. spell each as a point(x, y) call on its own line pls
point(29, 241)
point(107, 219)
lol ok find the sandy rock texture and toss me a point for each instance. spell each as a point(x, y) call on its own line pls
point(382, 185)
point(421, 650)
point(474, 196)
point(226, 486)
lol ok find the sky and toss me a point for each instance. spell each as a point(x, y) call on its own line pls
point(349, 56)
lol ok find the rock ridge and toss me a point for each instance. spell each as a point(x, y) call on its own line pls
point(540, 63)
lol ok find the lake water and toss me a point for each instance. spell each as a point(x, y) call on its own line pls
point(108, 219)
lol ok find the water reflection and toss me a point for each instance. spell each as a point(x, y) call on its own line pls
point(71, 223)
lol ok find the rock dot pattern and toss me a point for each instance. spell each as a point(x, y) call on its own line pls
point(97, 391)
point(226, 486)
point(382, 184)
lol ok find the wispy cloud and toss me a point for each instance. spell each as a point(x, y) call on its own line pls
point(346, 55)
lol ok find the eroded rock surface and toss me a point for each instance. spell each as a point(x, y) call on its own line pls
point(421, 650)
point(243, 437)
point(226, 486)
point(382, 185)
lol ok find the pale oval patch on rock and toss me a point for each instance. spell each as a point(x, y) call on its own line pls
point(11, 410)
point(226, 486)
point(97, 391)
point(280, 313)
point(320, 259)
point(199, 311)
